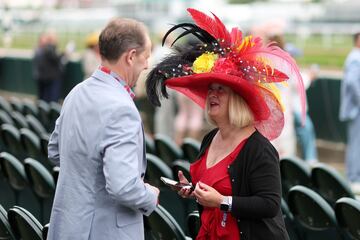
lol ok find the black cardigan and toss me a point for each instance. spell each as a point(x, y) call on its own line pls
point(256, 187)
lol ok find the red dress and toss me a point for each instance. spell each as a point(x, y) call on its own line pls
point(217, 177)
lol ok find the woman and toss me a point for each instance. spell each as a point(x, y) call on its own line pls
point(237, 177)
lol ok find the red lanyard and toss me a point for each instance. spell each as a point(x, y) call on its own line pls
point(122, 82)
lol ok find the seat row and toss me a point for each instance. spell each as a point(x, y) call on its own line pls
point(309, 216)
point(16, 111)
point(321, 178)
point(19, 224)
point(27, 184)
point(166, 149)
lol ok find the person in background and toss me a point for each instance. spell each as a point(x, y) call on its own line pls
point(237, 175)
point(305, 133)
point(91, 57)
point(350, 112)
point(48, 67)
point(98, 142)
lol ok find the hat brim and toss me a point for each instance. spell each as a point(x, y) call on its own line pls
point(269, 118)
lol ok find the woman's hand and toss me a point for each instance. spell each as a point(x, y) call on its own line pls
point(207, 196)
point(185, 193)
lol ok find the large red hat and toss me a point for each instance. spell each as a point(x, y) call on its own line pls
point(248, 67)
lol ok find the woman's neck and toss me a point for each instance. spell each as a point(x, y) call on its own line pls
point(231, 132)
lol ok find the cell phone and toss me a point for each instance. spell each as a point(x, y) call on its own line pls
point(176, 185)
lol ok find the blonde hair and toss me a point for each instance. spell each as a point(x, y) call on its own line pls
point(240, 114)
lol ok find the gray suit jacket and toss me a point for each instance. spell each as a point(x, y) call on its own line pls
point(98, 142)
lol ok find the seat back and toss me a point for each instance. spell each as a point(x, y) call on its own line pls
point(293, 172)
point(167, 149)
point(31, 143)
point(150, 145)
point(43, 113)
point(45, 231)
point(16, 104)
point(314, 216)
point(19, 119)
point(5, 118)
point(40, 179)
point(5, 105)
point(54, 113)
point(161, 225)
point(289, 221)
point(44, 141)
point(30, 108)
point(24, 225)
point(193, 224)
point(347, 211)
point(181, 165)
point(5, 228)
point(191, 149)
point(156, 168)
point(330, 184)
point(11, 139)
point(35, 125)
point(55, 173)
point(13, 170)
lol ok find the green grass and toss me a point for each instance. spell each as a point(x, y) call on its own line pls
point(328, 53)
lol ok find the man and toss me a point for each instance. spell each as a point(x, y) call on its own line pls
point(99, 143)
point(350, 112)
point(48, 67)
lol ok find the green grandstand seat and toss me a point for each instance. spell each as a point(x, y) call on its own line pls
point(5, 228)
point(5, 105)
point(16, 104)
point(5, 118)
point(54, 113)
point(294, 172)
point(330, 184)
point(314, 216)
point(156, 168)
point(181, 165)
point(14, 172)
point(24, 225)
point(11, 138)
point(347, 211)
point(30, 142)
point(191, 149)
point(19, 119)
point(166, 149)
point(43, 113)
point(161, 225)
point(43, 185)
point(193, 224)
point(289, 221)
point(44, 141)
point(29, 107)
point(55, 173)
point(35, 125)
point(45, 231)
point(150, 145)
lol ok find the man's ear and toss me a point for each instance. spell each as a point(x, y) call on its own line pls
point(130, 56)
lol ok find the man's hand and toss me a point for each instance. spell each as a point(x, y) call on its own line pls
point(155, 189)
